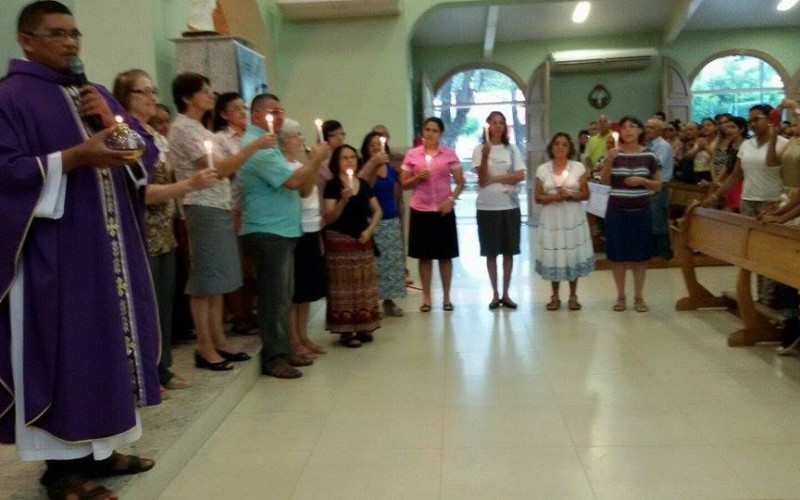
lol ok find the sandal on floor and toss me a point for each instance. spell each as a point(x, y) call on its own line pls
point(573, 303)
point(448, 306)
point(426, 308)
point(619, 306)
point(315, 348)
point(296, 360)
point(494, 304)
point(554, 304)
point(350, 341)
point(364, 337)
point(640, 306)
point(119, 465)
point(284, 371)
point(508, 303)
point(78, 487)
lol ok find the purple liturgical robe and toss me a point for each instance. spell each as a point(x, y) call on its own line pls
point(91, 331)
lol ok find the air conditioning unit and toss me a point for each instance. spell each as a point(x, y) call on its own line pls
point(572, 61)
point(324, 10)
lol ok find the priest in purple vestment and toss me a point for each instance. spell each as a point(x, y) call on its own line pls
point(79, 331)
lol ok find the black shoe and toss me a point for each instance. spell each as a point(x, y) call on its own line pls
point(234, 356)
point(201, 362)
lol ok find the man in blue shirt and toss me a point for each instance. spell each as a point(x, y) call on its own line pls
point(659, 202)
point(270, 229)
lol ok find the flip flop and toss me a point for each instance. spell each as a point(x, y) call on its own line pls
point(426, 308)
point(448, 306)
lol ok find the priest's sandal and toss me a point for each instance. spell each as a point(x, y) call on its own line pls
point(78, 487)
point(119, 465)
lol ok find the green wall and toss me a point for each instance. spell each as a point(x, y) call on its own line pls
point(364, 72)
point(633, 92)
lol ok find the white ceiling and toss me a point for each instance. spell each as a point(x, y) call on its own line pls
point(543, 20)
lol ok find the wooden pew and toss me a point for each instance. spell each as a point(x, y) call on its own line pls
point(770, 250)
point(682, 195)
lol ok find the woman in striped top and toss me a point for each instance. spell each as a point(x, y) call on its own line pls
point(634, 174)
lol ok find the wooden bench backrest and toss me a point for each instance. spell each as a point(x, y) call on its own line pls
point(771, 250)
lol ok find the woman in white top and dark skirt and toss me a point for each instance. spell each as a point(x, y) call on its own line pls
point(500, 169)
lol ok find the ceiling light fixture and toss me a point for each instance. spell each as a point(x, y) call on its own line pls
point(581, 12)
point(784, 5)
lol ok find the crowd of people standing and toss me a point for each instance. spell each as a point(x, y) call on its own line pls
point(88, 254)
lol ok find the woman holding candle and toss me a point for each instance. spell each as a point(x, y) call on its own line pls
point(135, 90)
point(215, 266)
point(564, 244)
point(230, 122)
point(427, 170)
point(633, 174)
point(500, 169)
point(352, 214)
point(385, 182)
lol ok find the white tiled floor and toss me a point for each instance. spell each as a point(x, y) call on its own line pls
point(520, 404)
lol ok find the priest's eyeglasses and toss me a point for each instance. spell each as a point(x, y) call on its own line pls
point(146, 91)
point(61, 35)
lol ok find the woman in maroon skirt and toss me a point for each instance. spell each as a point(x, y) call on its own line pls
point(352, 213)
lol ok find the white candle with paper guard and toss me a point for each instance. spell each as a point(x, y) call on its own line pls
point(318, 124)
point(270, 123)
point(383, 144)
point(209, 147)
point(350, 179)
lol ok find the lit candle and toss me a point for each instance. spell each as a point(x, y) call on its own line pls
point(428, 159)
point(350, 178)
point(615, 135)
point(270, 120)
point(486, 132)
point(383, 144)
point(118, 119)
point(318, 123)
point(209, 146)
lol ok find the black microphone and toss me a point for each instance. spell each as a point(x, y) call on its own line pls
point(76, 68)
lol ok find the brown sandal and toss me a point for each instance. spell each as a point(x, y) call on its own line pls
point(119, 465)
point(640, 306)
point(573, 303)
point(285, 371)
point(315, 348)
point(554, 304)
point(80, 488)
point(619, 306)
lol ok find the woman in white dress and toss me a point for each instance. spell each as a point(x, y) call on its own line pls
point(564, 246)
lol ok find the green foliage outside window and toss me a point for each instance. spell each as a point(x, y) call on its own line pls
point(733, 84)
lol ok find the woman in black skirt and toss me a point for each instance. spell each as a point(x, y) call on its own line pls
point(427, 169)
point(634, 174)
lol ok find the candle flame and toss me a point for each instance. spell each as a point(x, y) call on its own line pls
point(318, 122)
point(118, 119)
point(208, 145)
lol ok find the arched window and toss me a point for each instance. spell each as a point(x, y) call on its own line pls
point(732, 84)
point(466, 98)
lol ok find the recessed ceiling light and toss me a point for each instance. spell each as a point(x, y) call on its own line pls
point(581, 12)
point(786, 5)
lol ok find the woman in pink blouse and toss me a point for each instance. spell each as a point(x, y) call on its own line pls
point(427, 170)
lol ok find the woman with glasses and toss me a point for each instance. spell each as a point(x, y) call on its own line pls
point(229, 124)
point(633, 175)
point(135, 90)
point(216, 268)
